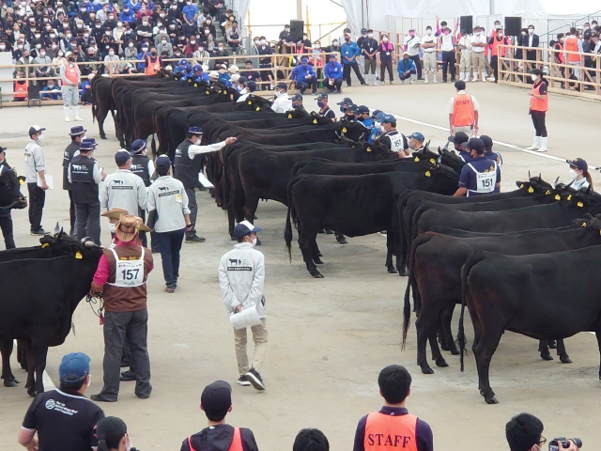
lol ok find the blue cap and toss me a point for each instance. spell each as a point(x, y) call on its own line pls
point(297, 97)
point(578, 163)
point(363, 30)
point(345, 101)
point(87, 144)
point(363, 109)
point(251, 86)
point(352, 107)
point(122, 156)
point(333, 56)
point(163, 161)
point(304, 59)
point(322, 96)
point(187, 68)
point(138, 145)
point(379, 115)
point(417, 136)
point(77, 130)
point(74, 367)
point(195, 130)
point(388, 118)
point(282, 85)
point(183, 62)
point(475, 144)
point(244, 228)
point(197, 68)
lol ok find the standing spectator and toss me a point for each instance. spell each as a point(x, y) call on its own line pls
point(447, 45)
point(411, 45)
point(573, 46)
point(406, 69)
point(169, 216)
point(465, 63)
point(394, 418)
point(121, 277)
point(429, 44)
point(152, 62)
point(6, 222)
point(532, 40)
point(70, 78)
point(123, 189)
point(369, 49)
point(47, 415)
point(539, 104)
point(349, 52)
point(265, 63)
point(386, 53)
point(77, 134)
point(85, 176)
point(187, 168)
point(216, 403)
point(35, 170)
point(241, 278)
point(496, 51)
point(333, 72)
point(463, 111)
point(479, 44)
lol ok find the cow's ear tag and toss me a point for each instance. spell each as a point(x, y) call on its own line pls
point(78, 255)
point(580, 204)
point(45, 245)
point(189, 80)
point(344, 130)
point(584, 225)
point(195, 85)
point(250, 102)
point(557, 197)
point(570, 197)
point(208, 92)
point(427, 174)
point(21, 181)
point(432, 160)
point(599, 232)
point(530, 190)
point(290, 116)
point(416, 159)
point(521, 186)
point(368, 149)
point(548, 192)
point(224, 92)
point(258, 109)
point(315, 121)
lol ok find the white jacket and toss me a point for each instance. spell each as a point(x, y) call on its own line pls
point(241, 278)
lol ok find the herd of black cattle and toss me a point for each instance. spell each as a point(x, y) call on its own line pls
point(521, 261)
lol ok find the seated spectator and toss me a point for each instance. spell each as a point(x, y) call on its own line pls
point(304, 76)
point(50, 91)
point(311, 439)
point(111, 63)
point(216, 403)
point(233, 36)
point(20, 87)
point(406, 68)
point(250, 73)
point(333, 76)
point(222, 53)
point(165, 47)
point(201, 56)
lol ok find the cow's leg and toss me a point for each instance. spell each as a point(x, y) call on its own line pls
point(446, 319)
point(6, 348)
point(543, 349)
point(316, 255)
point(250, 207)
point(562, 353)
point(101, 114)
point(30, 384)
point(483, 352)
point(340, 238)
point(22, 354)
point(389, 248)
point(307, 243)
point(39, 351)
point(598, 332)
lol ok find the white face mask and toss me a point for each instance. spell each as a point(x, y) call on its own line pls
point(384, 39)
point(41, 137)
point(278, 93)
point(112, 226)
point(534, 77)
point(428, 32)
point(382, 129)
point(89, 380)
point(530, 30)
point(573, 173)
point(254, 241)
point(370, 35)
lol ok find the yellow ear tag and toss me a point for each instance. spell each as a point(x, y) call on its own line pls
point(315, 121)
point(250, 102)
point(570, 197)
point(224, 92)
point(290, 116)
point(78, 255)
point(258, 109)
point(557, 197)
point(195, 85)
point(344, 130)
point(208, 92)
point(189, 80)
point(521, 186)
point(368, 149)
point(45, 245)
point(427, 174)
point(416, 159)
point(432, 160)
point(584, 225)
point(580, 204)
point(530, 190)
point(21, 181)
point(547, 193)
point(599, 232)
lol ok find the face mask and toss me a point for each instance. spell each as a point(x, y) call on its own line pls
point(42, 54)
point(428, 32)
point(377, 124)
point(278, 93)
point(86, 35)
point(499, 35)
point(220, 49)
point(41, 137)
point(98, 26)
point(38, 35)
point(573, 173)
point(384, 39)
point(2, 47)
point(321, 104)
point(446, 32)
point(111, 53)
point(153, 53)
point(530, 30)
point(347, 39)
point(477, 33)
point(534, 77)
point(263, 42)
point(254, 241)
point(89, 380)
point(335, 43)
point(523, 33)
point(382, 129)
point(20, 46)
point(69, 36)
point(38, 46)
point(130, 45)
point(412, 34)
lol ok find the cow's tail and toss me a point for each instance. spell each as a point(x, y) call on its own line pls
point(401, 205)
point(94, 111)
point(406, 311)
point(153, 143)
point(465, 272)
point(290, 215)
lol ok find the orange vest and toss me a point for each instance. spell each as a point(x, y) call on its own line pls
point(20, 90)
point(71, 74)
point(560, 54)
point(538, 104)
point(495, 46)
point(463, 111)
point(390, 432)
point(571, 45)
point(235, 446)
point(152, 68)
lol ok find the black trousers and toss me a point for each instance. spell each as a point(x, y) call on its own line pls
point(418, 65)
point(494, 63)
point(346, 72)
point(448, 61)
point(71, 214)
point(6, 224)
point(37, 198)
point(303, 85)
point(383, 67)
point(334, 87)
point(538, 120)
point(87, 222)
point(193, 206)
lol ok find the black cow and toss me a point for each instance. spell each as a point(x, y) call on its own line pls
point(41, 312)
point(353, 205)
point(543, 296)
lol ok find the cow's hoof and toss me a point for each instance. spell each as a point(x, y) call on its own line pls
point(454, 350)
point(552, 344)
point(12, 383)
point(442, 363)
point(565, 359)
point(491, 400)
point(402, 273)
point(102, 136)
point(31, 392)
point(329, 232)
point(341, 240)
point(317, 275)
point(391, 270)
point(318, 261)
point(546, 356)
point(427, 370)
point(443, 345)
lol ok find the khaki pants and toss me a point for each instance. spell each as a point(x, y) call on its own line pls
point(467, 129)
point(430, 64)
point(466, 61)
point(478, 63)
point(260, 336)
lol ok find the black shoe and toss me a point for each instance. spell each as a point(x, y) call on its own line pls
point(255, 379)
point(337, 92)
point(363, 84)
point(195, 239)
point(101, 398)
point(243, 380)
point(128, 375)
point(39, 231)
point(143, 396)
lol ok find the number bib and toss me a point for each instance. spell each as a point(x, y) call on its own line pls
point(128, 273)
point(396, 142)
point(485, 181)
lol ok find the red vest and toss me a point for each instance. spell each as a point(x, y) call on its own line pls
point(235, 446)
point(152, 67)
point(463, 111)
point(20, 90)
point(390, 432)
point(538, 104)
point(571, 45)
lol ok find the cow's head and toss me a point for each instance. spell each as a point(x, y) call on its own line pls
point(354, 131)
point(10, 191)
point(258, 103)
point(592, 223)
point(585, 197)
point(297, 114)
point(445, 176)
point(373, 151)
point(536, 185)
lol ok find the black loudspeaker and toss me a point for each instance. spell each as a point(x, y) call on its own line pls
point(297, 28)
point(466, 24)
point(513, 26)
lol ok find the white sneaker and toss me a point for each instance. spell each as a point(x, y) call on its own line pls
point(491, 78)
point(77, 118)
point(474, 80)
point(412, 81)
point(426, 81)
point(435, 81)
point(67, 119)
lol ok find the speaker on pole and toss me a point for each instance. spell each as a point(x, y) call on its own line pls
point(513, 26)
point(297, 28)
point(466, 24)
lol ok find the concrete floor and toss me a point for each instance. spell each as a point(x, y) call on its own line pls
point(329, 338)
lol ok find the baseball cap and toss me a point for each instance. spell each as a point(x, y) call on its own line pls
point(74, 367)
point(363, 109)
point(187, 68)
point(2, 149)
point(216, 398)
point(195, 131)
point(297, 97)
point(88, 144)
point(122, 156)
point(475, 144)
point(459, 138)
point(304, 59)
point(235, 77)
point(244, 228)
point(243, 80)
point(163, 161)
point(388, 118)
point(197, 68)
point(333, 56)
point(417, 136)
point(138, 145)
point(213, 74)
point(363, 30)
point(111, 430)
point(252, 86)
point(379, 115)
point(77, 130)
point(487, 140)
point(352, 107)
point(579, 163)
point(282, 85)
point(322, 96)
point(233, 68)
point(35, 129)
point(345, 101)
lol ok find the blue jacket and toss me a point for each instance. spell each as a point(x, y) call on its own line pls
point(348, 51)
point(403, 66)
point(203, 77)
point(129, 18)
point(300, 71)
point(334, 71)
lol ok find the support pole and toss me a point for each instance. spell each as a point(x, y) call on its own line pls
point(299, 9)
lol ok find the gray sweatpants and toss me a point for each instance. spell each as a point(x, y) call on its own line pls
point(70, 95)
point(118, 326)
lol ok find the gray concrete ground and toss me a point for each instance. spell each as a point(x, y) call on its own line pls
point(328, 338)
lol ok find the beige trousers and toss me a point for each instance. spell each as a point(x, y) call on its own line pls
point(478, 63)
point(260, 336)
point(430, 64)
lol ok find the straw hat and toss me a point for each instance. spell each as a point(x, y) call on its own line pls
point(128, 226)
point(114, 213)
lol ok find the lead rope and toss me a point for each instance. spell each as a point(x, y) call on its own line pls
point(92, 302)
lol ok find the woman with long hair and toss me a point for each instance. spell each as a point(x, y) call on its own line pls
point(539, 104)
point(580, 175)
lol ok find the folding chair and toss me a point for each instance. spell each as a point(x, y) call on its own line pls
point(33, 96)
